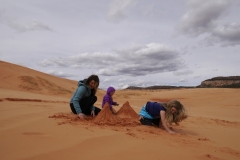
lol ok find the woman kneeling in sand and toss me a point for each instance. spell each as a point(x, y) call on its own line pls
point(84, 97)
point(162, 114)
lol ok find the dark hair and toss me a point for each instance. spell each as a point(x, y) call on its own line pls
point(96, 79)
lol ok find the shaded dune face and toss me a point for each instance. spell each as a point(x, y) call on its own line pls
point(126, 116)
point(16, 77)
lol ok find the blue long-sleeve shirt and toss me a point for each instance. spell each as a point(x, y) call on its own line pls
point(151, 110)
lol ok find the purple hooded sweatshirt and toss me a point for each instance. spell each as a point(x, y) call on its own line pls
point(108, 98)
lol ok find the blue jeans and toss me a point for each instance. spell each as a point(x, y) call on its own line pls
point(150, 122)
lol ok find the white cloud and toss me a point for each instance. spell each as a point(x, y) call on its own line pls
point(46, 63)
point(124, 86)
point(58, 61)
point(183, 80)
point(136, 82)
point(59, 73)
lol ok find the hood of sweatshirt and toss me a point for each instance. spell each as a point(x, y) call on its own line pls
point(81, 83)
point(109, 90)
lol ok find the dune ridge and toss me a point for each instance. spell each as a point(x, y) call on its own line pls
point(25, 79)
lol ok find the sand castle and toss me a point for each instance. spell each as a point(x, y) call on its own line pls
point(126, 116)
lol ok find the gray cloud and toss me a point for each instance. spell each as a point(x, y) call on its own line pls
point(21, 26)
point(29, 26)
point(83, 30)
point(118, 9)
point(198, 76)
point(1, 12)
point(133, 61)
point(183, 72)
point(228, 35)
point(202, 16)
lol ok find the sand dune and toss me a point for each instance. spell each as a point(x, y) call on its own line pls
point(24, 79)
point(36, 122)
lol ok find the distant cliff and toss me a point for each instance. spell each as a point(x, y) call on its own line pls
point(221, 82)
point(216, 82)
point(158, 87)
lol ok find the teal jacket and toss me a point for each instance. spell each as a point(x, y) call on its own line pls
point(81, 92)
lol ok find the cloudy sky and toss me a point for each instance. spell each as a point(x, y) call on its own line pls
point(125, 42)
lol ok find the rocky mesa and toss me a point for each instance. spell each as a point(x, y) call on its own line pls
point(221, 82)
point(216, 82)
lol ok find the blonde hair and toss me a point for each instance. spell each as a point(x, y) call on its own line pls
point(180, 115)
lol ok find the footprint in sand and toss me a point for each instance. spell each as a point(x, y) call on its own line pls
point(203, 139)
point(230, 151)
point(33, 133)
point(131, 134)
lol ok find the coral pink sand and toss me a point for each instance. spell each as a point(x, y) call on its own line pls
point(36, 122)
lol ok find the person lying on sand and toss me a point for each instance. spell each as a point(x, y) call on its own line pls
point(162, 114)
point(84, 97)
point(108, 99)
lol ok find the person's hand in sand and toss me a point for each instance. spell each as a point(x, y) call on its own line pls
point(164, 122)
point(171, 132)
point(162, 114)
point(113, 111)
point(93, 113)
point(81, 116)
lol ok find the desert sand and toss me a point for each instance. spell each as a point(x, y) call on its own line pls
point(36, 122)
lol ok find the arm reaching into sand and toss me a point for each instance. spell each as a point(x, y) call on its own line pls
point(162, 114)
point(93, 113)
point(81, 116)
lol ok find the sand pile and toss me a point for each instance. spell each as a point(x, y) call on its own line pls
point(126, 116)
point(126, 111)
point(106, 117)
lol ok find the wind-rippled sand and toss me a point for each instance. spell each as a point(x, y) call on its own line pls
point(38, 123)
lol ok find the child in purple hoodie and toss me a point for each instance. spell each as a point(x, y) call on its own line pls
point(108, 98)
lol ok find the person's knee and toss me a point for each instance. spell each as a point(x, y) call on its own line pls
point(94, 98)
point(145, 122)
point(142, 121)
point(97, 110)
